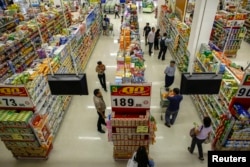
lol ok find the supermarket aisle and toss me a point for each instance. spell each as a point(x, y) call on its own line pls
point(78, 144)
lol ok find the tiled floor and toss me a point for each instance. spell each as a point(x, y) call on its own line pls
point(78, 144)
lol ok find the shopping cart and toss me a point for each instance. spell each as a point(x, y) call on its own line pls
point(164, 101)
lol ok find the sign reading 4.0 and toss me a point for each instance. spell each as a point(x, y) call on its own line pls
point(243, 92)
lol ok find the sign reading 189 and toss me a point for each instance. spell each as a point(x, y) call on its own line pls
point(124, 102)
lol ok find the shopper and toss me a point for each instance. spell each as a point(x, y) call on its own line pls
point(202, 133)
point(163, 46)
point(122, 12)
point(173, 107)
point(169, 74)
point(157, 37)
point(146, 31)
point(142, 158)
point(117, 11)
point(100, 69)
point(100, 107)
point(151, 38)
point(104, 27)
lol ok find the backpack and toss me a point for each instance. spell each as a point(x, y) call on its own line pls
point(162, 43)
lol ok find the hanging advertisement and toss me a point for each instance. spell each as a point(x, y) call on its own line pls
point(14, 97)
point(180, 9)
point(90, 19)
point(131, 96)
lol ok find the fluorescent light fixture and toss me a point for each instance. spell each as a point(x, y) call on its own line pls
point(157, 83)
point(111, 66)
point(88, 138)
point(115, 41)
point(113, 54)
point(159, 137)
point(91, 107)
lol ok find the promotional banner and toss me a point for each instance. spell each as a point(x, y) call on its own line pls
point(130, 96)
point(14, 97)
point(180, 9)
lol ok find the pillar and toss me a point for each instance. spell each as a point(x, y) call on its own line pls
point(202, 24)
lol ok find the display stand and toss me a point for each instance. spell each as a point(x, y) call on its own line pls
point(130, 124)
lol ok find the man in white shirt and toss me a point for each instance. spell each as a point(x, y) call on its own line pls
point(151, 39)
point(169, 74)
point(117, 11)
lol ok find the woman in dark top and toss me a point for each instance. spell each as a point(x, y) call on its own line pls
point(157, 37)
point(142, 157)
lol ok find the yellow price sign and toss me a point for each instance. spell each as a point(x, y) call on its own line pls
point(142, 129)
point(17, 137)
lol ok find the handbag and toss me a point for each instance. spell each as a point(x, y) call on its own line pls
point(192, 132)
point(132, 162)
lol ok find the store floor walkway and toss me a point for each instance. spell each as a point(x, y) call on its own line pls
point(78, 144)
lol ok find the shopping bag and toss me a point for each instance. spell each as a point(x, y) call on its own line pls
point(132, 162)
point(151, 163)
point(192, 132)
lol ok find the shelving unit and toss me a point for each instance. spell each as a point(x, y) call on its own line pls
point(46, 111)
point(228, 32)
point(7, 24)
point(179, 33)
point(18, 54)
point(214, 105)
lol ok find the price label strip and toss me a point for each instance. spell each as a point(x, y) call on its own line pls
point(130, 101)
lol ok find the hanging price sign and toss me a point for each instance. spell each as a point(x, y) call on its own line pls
point(244, 89)
point(243, 92)
point(14, 97)
point(131, 96)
